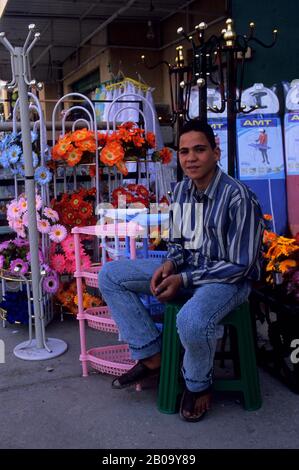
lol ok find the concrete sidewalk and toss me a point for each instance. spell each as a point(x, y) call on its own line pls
point(60, 409)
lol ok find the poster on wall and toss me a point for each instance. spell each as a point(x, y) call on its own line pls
point(291, 129)
point(260, 147)
point(260, 153)
point(292, 143)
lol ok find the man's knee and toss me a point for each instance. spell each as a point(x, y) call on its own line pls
point(191, 326)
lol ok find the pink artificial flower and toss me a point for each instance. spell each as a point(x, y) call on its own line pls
point(20, 242)
point(2, 259)
point(57, 262)
point(51, 214)
point(45, 267)
point(43, 226)
point(38, 202)
point(18, 266)
point(58, 233)
point(70, 266)
point(13, 210)
point(23, 206)
point(4, 245)
point(50, 284)
point(68, 244)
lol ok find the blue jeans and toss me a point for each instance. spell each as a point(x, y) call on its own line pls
point(121, 281)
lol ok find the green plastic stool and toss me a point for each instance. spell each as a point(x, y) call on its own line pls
point(170, 385)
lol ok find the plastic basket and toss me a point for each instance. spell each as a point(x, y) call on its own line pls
point(157, 254)
point(99, 318)
point(91, 275)
point(113, 360)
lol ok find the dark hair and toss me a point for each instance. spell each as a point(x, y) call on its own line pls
point(200, 126)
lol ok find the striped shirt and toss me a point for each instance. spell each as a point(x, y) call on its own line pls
point(228, 247)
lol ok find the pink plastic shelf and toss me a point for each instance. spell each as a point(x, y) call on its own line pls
point(113, 360)
point(90, 275)
point(99, 318)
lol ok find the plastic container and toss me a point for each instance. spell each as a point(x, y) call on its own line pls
point(113, 360)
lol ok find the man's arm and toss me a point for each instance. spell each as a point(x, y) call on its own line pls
point(175, 248)
point(243, 245)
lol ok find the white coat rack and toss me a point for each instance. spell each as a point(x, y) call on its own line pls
point(40, 348)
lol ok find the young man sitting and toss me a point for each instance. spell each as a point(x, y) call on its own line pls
point(214, 263)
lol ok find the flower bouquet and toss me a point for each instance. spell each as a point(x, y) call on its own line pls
point(134, 195)
point(12, 158)
point(15, 261)
point(282, 261)
point(75, 147)
point(67, 296)
point(129, 142)
point(47, 218)
point(76, 209)
point(62, 256)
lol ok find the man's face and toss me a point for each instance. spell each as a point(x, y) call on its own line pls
point(197, 158)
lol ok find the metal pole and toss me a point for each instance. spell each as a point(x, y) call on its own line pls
point(29, 190)
point(231, 112)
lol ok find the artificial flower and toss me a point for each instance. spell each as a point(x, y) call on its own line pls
point(57, 233)
point(50, 284)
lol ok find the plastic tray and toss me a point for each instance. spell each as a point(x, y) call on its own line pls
point(99, 318)
point(91, 275)
point(113, 360)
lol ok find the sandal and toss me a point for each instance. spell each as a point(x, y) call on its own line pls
point(138, 372)
point(188, 403)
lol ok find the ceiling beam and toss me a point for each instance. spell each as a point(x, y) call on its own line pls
point(108, 21)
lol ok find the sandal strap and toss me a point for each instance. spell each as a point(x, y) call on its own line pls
point(137, 373)
point(189, 398)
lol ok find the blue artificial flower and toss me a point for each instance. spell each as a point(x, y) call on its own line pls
point(42, 175)
point(4, 161)
point(13, 153)
point(20, 169)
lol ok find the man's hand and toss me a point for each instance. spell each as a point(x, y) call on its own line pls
point(160, 274)
point(169, 287)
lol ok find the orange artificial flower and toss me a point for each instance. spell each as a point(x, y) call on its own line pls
point(121, 166)
point(74, 156)
point(102, 139)
point(151, 139)
point(269, 237)
point(138, 141)
point(112, 153)
point(81, 134)
point(287, 264)
point(268, 217)
point(127, 125)
point(165, 155)
point(86, 145)
point(61, 148)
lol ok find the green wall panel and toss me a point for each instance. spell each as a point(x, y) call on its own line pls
point(282, 61)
